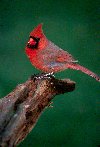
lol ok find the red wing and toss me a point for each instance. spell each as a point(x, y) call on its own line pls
point(64, 56)
point(52, 53)
point(59, 54)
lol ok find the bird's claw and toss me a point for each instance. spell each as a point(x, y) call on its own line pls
point(49, 74)
point(42, 75)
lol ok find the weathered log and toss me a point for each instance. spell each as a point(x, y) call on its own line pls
point(20, 109)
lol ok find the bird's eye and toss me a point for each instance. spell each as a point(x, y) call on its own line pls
point(33, 42)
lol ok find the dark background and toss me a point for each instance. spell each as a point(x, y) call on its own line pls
point(74, 26)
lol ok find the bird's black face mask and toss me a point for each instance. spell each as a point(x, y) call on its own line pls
point(33, 42)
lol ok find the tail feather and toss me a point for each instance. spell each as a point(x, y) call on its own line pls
point(85, 70)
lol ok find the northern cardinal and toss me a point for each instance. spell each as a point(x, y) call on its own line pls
point(48, 57)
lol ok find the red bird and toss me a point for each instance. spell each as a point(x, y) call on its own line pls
point(48, 57)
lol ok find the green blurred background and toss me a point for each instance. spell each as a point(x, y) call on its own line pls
point(74, 26)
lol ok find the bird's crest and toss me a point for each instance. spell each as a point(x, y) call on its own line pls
point(37, 32)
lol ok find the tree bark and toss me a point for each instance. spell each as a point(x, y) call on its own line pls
point(20, 109)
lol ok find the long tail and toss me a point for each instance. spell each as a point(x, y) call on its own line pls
point(83, 69)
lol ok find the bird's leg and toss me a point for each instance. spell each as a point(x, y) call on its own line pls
point(42, 75)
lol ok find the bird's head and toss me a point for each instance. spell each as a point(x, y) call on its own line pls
point(37, 39)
